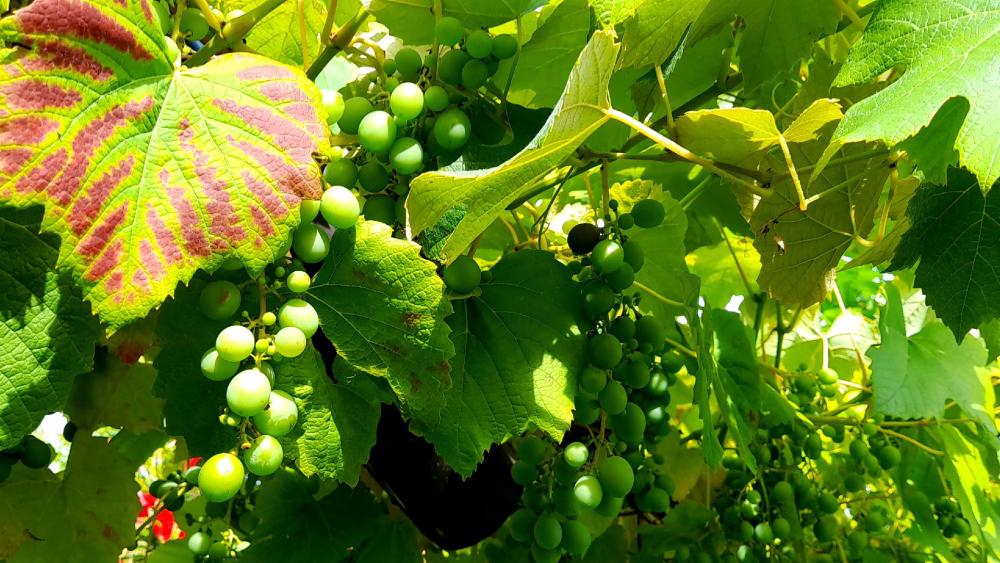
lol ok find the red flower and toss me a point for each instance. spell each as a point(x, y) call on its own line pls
point(165, 527)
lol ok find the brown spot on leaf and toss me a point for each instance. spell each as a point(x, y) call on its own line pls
point(410, 319)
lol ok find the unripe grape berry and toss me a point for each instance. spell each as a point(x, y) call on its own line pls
point(523, 473)
point(613, 398)
point(380, 208)
point(373, 177)
point(299, 314)
point(436, 98)
point(310, 243)
point(548, 531)
point(290, 342)
point(235, 343)
point(474, 74)
point(479, 44)
point(452, 129)
point(593, 380)
point(408, 63)
point(248, 392)
point(221, 477)
point(308, 210)
point(588, 491)
point(280, 416)
point(604, 350)
point(298, 281)
point(406, 155)
point(193, 23)
point(199, 543)
point(576, 455)
point(217, 368)
point(634, 254)
point(407, 101)
point(607, 256)
point(463, 275)
point(616, 476)
point(648, 213)
point(449, 31)
point(377, 131)
point(576, 537)
point(504, 46)
point(522, 524)
point(340, 207)
point(341, 172)
point(532, 449)
point(389, 67)
point(450, 66)
point(219, 300)
point(264, 456)
point(333, 102)
point(583, 237)
point(355, 109)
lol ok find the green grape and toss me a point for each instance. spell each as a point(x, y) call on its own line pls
point(523, 473)
point(280, 416)
point(235, 343)
point(221, 477)
point(504, 46)
point(219, 300)
point(69, 431)
point(407, 101)
point(310, 243)
point(290, 342)
point(450, 66)
point(623, 328)
point(621, 279)
point(825, 528)
point(264, 456)
point(408, 63)
point(389, 67)
point(576, 537)
point(781, 528)
point(592, 380)
point(217, 368)
point(452, 129)
point(565, 502)
point(634, 255)
point(436, 98)
point(333, 102)
point(607, 256)
point(199, 543)
point(532, 449)
point(648, 213)
point(588, 491)
point(598, 298)
point(783, 493)
point(813, 446)
point(35, 454)
point(649, 330)
point(341, 172)
point(655, 500)
point(616, 476)
point(474, 74)
point(218, 551)
point(373, 177)
point(449, 31)
point(463, 275)
point(406, 155)
point(630, 425)
point(298, 282)
point(355, 109)
point(191, 475)
point(377, 131)
point(479, 44)
point(380, 208)
point(548, 531)
point(340, 207)
point(161, 488)
point(637, 372)
point(576, 454)
point(959, 527)
point(888, 457)
point(854, 482)
point(763, 532)
point(604, 350)
point(248, 522)
point(248, 393)
point(625, 221)
point(533, 498)
point(193, 23)
point(522, 524)
point(613, 398)
point(582, 238)
point(610, 506)
point(857, 540)
point(827, 376)
point(586, 411)
point(541, 555)
point(858, 449)
point(299, 314)
point(308, 211)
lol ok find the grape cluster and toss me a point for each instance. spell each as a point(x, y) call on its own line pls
point(32, 452)
point(415, 111)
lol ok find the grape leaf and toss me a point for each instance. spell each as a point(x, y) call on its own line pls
point(193, 402)
point(296, 527)
point(949, 51)
point(383, 307)
point(395, 540)
point(518, 353)
point(545, 62)
point(954, 236)
point(336, 425)
point(47, 334)
point(86, 514)
point(654, 31)
point(149, 173)
point(478, 197)
point(116, 394)
point(413, 20)
point(715, 266)
point(288, 34)
point(906, 369)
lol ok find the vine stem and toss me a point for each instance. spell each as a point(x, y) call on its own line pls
point(338, 41)
point(683, 152)
point(657, 295)
point(792, 172)
point(331, 19)
point(666, 100)
point(692, 196)
point(916, 443)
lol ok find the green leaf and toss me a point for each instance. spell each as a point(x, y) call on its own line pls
point(683, 523)
point(47, 334)
point(907, 370)
point(116, 394)
point(655, 30)
point(518, 353)
point(149, 173)
point(413, 20)
point(715, 266)
point(953, 234)
point(383, 307)
point(287, 34)
point(192, 401)
point(86, 514)
point(296, 527)
point(666, 287)
point(336, 425)
point(477, 198)
point(965, 466)
point(396, 541)
point(949, 50)
point(704, 378)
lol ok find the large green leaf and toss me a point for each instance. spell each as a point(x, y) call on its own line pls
point(86, 514)
point(954, 236)
point(296, 527)
point(116, 394)
point(147, 172)
point(476, 198)
point(655, 30)
point(413, 20)
point(47, 334)
point(336, 425)
point(383, 307)
point(907, 370)
point(546, 60)
point(949, 51)
point(518, 353)
point(395, 540)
